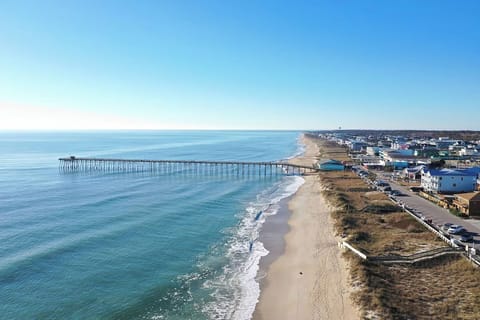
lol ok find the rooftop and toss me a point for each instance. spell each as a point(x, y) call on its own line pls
point(469, 196)
point(454, 172)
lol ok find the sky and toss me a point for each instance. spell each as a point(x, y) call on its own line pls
point(281, 65)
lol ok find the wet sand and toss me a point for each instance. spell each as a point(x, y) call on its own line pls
point(309, 278)
point(272, 236)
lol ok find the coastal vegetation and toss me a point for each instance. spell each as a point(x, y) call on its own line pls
point(446, 287)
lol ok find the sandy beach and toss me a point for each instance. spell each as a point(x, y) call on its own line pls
point(310, 279)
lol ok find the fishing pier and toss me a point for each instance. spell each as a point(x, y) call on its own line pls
point(239, 168)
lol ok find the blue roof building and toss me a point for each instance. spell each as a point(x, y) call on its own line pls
point(331, 165)
point(450, 181)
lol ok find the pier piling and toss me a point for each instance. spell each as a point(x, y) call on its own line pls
point(237, 168)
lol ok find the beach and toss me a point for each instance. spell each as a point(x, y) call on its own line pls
point(181, 235)
point(309, 279)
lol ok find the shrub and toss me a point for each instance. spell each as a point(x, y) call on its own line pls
point(414, 228)
point(349, 222)
point(361, 236)
point(457, 213)
point(380, 208)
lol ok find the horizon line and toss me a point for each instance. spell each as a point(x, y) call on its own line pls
point(220, 129)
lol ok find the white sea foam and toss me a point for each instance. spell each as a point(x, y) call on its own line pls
point(236, 290)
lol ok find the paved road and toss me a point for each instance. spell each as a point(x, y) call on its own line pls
point(437, 214)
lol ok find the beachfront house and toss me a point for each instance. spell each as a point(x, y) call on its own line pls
point(357, 146)
point(397, 159)
point(449, 181)
point(468, 203)
point(414, 173)
point(373, 151)
point(330, 165)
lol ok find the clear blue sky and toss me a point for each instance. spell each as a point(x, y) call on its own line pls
point(240, 64)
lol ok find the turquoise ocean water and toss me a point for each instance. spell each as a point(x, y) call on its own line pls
point(112, 245)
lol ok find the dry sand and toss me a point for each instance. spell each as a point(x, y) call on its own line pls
point(310, 279)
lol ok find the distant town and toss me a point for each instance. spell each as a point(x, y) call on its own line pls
point(408, 212)
point(441, 166)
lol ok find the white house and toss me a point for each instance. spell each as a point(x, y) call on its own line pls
point(412, 173)
point(373, 151)
point(449, 180)
point(468, 152)
point(398, 159)
point(357, 145)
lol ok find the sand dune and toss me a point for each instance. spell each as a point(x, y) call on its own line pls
point(310, 280)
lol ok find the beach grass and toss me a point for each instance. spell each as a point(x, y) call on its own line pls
point(442, 288)
point(309, 280)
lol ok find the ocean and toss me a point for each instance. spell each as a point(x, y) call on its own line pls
point(135, 245)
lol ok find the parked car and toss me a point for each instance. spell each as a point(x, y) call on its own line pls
point(457, 242)
point(467, 237)
point(381, 183)
point(416, 189)
point(385, 189)
point(395, 193)
point(446, 226)
point(455, 229)
point(427, 219)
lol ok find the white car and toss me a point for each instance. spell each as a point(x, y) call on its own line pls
point(446, 226)
point(455, 229)
point(456, 243)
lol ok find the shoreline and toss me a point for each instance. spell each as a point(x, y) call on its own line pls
point(272, 236)
point(306, 277)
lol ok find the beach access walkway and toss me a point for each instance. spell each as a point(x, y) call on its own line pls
point(399, 259)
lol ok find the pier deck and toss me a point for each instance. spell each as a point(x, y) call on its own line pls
point(196, 166)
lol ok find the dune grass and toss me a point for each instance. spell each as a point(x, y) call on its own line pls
point(443, 288)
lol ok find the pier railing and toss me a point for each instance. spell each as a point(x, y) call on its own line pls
point(195, 166)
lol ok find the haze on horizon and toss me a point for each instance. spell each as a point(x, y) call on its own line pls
point(246, 65)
